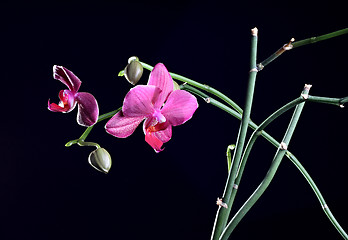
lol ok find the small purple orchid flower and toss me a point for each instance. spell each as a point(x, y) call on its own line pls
point(158, 104)
point(88, 110)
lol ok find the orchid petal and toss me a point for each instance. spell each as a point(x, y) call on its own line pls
point(88, 110)
point(66, 104)
point(161, 78)
point(139, 101)
point(121, 126)
point(67, 77)
point(179, 107)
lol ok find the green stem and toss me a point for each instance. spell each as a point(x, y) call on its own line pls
point(211, 101)
point(334, 101)
point(81, 140)
point(320, 197)
point(311, 98)
point(319, 38)
point(343, 101)
point(223, 213)
point(282, 149)
point(257, 132)
point(88, 144)
point(293, 159)
point(275, 55)
point(292, 45)
point(108, 115)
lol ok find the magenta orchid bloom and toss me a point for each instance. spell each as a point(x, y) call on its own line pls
point(88, 110)
point(158, 104)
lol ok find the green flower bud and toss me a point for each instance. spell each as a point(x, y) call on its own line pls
point(100, 159)
point(134, 70)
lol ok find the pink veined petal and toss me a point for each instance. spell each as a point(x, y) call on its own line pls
point(67, 77)
point(121, 126)
point(154, 142)
point(88, 110)
point(139, 101)
point(66, 104)
point(161, 78)
point(179, 107)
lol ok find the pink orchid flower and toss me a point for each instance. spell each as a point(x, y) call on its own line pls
point(158, 104)
point(88, 110)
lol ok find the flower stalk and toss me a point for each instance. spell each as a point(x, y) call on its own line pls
point(294, 44)
point(223, 213)
point(81, 140)
point(289, 155)
point(319, 38)
point(257, 132)
point(282, 149)
point(280, 51)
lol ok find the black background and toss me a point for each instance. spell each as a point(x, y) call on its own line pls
point(49, 191)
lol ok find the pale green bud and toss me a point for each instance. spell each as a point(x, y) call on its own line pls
point(100, 159)
point(134, 70)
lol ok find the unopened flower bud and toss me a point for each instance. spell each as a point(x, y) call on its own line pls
point(133, 71)
point(100, 159)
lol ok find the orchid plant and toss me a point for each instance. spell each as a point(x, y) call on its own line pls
point(163, 104)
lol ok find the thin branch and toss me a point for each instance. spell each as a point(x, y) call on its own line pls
point(223, 213)
point(319, 38)
point(289, 155)
point(292, 44)
point(282, 149)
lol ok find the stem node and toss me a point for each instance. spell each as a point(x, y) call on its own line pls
point(325, 206)
point(260, 66)
point(285, 47)
point(220, 203)
point(283, 146)
point(304, 96)
point(254, 31)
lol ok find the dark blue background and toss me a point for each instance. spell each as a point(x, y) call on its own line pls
point(49, 191)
